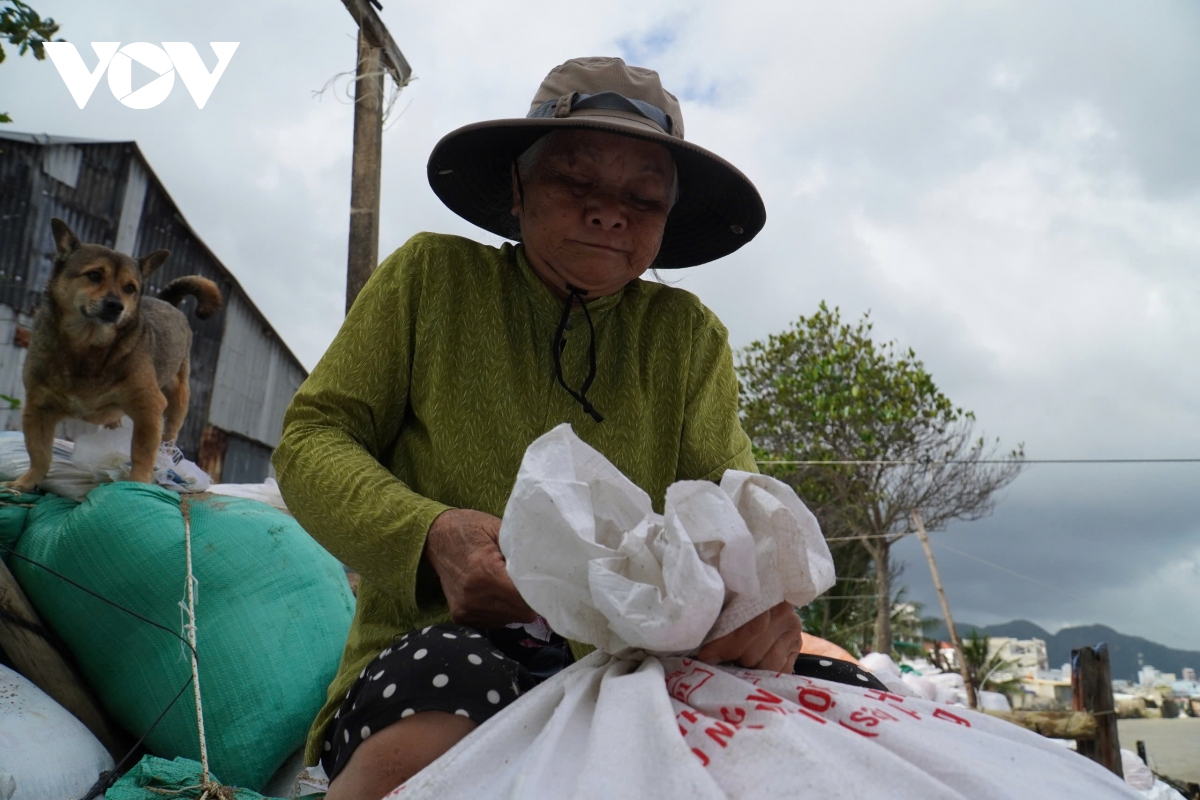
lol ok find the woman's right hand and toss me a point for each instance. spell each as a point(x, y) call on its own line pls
point(463, 548)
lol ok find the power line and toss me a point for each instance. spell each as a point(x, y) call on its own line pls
point(1009, 571)
point(935, 463)
point(1154, 626)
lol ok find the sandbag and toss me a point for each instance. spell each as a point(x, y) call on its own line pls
point(585, 548)
point(64, 478)
point(45, 753)
point(631, 724)
point(99, 457)
point(676, 728)
point(14, 509)
point(273, 609)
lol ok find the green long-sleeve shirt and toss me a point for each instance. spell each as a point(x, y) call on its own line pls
point(441, 377)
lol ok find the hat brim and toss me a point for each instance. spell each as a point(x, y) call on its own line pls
point(718, 209)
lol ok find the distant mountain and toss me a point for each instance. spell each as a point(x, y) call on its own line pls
point(1123, 650)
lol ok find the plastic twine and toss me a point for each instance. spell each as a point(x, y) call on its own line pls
point(208, 787)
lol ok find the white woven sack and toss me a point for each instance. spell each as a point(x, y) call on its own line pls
point(45, 752)
point(676, 728)
point(587, 551)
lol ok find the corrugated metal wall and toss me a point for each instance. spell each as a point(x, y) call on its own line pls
point(256, 378)
point(30, 197)
point(242, 376)
point(12, 361)
point(245, 461)
point(161, 227)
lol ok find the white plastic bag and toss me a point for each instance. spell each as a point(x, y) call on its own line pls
point(44, 751)
point(105, 455)
point(587, 551)
point(100, 457)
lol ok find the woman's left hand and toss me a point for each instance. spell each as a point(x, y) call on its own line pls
point(770, 641)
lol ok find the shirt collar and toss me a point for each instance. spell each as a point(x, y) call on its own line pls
point(547, 304)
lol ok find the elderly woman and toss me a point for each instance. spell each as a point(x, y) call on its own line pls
point(400, 450)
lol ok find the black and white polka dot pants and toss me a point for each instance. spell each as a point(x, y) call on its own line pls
point(448, 668)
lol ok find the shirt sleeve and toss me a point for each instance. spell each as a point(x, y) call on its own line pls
point(342, 423)
point(713, 440)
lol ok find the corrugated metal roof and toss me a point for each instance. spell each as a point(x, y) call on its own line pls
point(46, 139)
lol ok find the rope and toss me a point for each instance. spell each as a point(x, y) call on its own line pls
point(107, 779)
point(208, 787)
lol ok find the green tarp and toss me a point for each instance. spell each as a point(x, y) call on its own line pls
point(170, 776)
point(272, 612)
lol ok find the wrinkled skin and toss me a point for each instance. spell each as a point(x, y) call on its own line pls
point(594, 210)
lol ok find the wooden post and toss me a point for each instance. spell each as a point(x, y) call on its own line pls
point(364, 171)
point(23, 639)
point(941, 593)
point(377, 53)
point(1091, 690)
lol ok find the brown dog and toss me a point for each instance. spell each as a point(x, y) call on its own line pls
point(100, 350)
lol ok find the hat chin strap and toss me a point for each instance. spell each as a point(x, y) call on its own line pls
point(559, 344)
point(607, 101)
point(575, 293)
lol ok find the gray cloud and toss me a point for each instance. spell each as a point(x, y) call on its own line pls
point(1013, 189)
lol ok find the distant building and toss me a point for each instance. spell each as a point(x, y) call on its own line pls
point(1189, 674)
point(1149, 677)
point(1028, 656)
point(242, 374)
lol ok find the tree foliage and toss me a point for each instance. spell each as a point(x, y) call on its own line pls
point(824, 392)
point(24, 28)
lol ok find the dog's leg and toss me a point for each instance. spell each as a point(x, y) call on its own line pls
point(178, 396)
point(39, 426)
point(147, 436)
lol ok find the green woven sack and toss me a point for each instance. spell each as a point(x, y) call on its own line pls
point(272, 612)
point(155, 779)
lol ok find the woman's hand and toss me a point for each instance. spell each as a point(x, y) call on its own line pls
point(463, 548)
point(770, 641)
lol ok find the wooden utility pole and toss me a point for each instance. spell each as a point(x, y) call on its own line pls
point(941, 593)
point(377, 53)
point(1091, 690)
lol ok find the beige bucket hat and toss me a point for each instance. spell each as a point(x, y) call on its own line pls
point(718, 210)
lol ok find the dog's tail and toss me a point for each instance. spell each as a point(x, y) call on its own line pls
point(207, 295)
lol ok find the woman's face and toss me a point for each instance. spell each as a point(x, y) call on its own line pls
point(594, 210)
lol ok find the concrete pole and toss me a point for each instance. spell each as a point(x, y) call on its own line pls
point(941, 593)
point(365, 167)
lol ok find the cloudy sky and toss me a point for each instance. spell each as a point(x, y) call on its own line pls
point(1010, 188)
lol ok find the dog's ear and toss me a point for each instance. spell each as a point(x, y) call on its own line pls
point(147, 264)
point(64, 238)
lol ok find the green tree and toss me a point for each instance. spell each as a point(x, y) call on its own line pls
point(24, 28)
point(823, 393)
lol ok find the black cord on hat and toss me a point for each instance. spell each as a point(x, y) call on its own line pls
point(576, 293)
